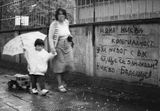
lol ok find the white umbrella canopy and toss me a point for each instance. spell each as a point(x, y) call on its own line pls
point(13, 47)
point(16, 45)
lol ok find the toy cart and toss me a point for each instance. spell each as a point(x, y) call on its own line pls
point(19, 81)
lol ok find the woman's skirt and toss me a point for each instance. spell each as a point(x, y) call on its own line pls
point(64, 60)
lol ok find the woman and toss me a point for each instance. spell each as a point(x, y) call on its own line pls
point(58, 42)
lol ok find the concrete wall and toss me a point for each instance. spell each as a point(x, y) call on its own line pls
point(83, 49)
point(121, 52)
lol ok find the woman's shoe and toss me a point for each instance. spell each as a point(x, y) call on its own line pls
point(62, 88)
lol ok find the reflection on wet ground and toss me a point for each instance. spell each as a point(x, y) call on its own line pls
point(78, 98)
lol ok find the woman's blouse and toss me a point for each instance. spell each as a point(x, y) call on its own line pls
point(57, 31)
point(63, 29)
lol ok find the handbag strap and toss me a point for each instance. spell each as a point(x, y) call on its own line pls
point(55, 35)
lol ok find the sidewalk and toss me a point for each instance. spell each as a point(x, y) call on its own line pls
point(79, 84)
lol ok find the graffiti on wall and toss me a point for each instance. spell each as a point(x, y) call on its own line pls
point(128, 50)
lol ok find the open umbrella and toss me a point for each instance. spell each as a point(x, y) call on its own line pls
point(16, 45)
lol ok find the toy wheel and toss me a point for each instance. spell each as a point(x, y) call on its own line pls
point(10, 84)
point(27, 88)
point(13, 85)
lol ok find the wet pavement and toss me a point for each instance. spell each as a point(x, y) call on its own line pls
point(81, 96)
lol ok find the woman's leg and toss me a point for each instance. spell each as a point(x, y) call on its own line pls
point(59, 78)
point(60, 83)
point(63, 76)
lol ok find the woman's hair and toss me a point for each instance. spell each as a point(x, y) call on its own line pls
point(39, 42)
point(62, 10)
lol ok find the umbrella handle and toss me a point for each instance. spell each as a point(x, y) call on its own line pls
point(22, 41)
point(24, 50)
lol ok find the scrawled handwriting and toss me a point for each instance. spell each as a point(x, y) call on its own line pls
point(107, 30)
point(135, 73)
point(110, 60)
point(118, 50)
point(132, 42)
point(127, 50)
point(101, 49)
point(105, 68)
point(141, 53)
point(133, 29)
point(107, 49)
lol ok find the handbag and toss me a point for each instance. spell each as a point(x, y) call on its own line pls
point(70, 39)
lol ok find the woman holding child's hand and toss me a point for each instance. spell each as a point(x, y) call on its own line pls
point(60, 41)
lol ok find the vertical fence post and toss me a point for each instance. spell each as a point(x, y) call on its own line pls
point(94, 19)
point(48, 24)
point(17, 57)
point(74, 13)
point(1, 3)
point(20, 56)
point(48, 15)
point(94, 38)
point(151, 15)
point(20, 16)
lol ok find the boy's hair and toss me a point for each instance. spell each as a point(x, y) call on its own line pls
point(39, 42)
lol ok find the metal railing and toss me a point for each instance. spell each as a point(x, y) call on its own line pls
point(38, 12)
point(10, 11)
point(83, 11)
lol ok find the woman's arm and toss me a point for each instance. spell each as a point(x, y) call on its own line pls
point(51, 55)
point(50, 35)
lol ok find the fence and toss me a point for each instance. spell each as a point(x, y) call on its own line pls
point(113, 10)
point(39, 13)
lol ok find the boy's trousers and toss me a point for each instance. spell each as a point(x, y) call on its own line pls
point(37, 79)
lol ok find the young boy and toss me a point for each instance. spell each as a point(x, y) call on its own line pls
point(37, 66)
